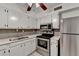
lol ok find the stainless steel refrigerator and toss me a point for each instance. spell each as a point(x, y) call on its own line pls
point(70, 36)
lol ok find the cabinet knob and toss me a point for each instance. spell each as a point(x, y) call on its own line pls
point(9, 51)
point(5, 10)
point(4, 51)
point(6, 25)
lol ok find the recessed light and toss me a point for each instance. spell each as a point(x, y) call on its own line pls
point(13, 18)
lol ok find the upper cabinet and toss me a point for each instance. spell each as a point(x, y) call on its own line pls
point(55, 20)
point(45, 19)
point(15, 19)
point(3, 17)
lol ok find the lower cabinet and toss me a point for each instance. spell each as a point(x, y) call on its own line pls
point(54, 50)
point(16, 50)
point(23, 48)
point(54, 46)
point(30, 46)
point(4, 50)
point(4, 53)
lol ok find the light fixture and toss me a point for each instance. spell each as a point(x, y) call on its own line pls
point(13, 18)
point(37, 5)
point(30, 4)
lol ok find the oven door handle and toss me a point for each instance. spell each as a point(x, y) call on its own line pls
point(43, 39)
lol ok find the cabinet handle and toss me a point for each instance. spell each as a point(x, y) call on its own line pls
point(7, 25)
point(5, 10)
point(9, 51)
point(4, 52)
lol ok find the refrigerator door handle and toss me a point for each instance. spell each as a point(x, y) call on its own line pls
point(61, 41)
point(71, 33)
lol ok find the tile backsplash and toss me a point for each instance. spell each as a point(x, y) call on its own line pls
point(6, 33)
point(56, 32)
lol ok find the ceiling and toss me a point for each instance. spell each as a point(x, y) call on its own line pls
point(36, 11)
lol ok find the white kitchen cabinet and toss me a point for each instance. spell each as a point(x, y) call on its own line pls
point(33, 42)
point(0, 18)
point(45, 19)
point(22, 48)
point(24, 22)
point(4, 50)
point(27, 48)
point(30, 46)
point(8, 17)
point(1, 53)
point(14, 18)
point(54, 45)
point(16, 50)
point(3, 17)
point(54, 49)
point(55, 20)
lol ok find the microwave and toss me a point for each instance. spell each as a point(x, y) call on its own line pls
point(46, 26)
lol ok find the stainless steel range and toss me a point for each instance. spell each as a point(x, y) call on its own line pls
point(43, 41)
point(43, 44)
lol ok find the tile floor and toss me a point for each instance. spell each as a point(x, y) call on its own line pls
point(35, 54)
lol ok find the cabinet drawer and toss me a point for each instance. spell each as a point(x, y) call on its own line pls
point(3, 47)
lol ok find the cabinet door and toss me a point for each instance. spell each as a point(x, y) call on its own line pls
point(55, 20)
point(0, 17)
point(6, 52)
point(16, 51)
point(1, 53)
point(27, 48)
point(54, 50)
point(14, 18)
point(24, 21)
point(33, 44)
point(30, 46)
point(4, 17)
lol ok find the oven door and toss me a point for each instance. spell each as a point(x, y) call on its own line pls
point(43, 44)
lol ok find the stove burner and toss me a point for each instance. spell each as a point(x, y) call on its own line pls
point(46, 36)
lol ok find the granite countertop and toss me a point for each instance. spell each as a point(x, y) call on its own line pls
point(56, 37)
point(14, 39)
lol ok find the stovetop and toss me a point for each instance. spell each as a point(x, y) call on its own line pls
point(45, 36)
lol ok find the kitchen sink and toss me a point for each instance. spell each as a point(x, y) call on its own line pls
point(19, 38)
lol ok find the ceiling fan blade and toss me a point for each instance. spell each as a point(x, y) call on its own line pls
point(43, 6)
point(29, 8)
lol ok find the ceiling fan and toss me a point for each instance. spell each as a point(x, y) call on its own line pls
point(30, 5)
